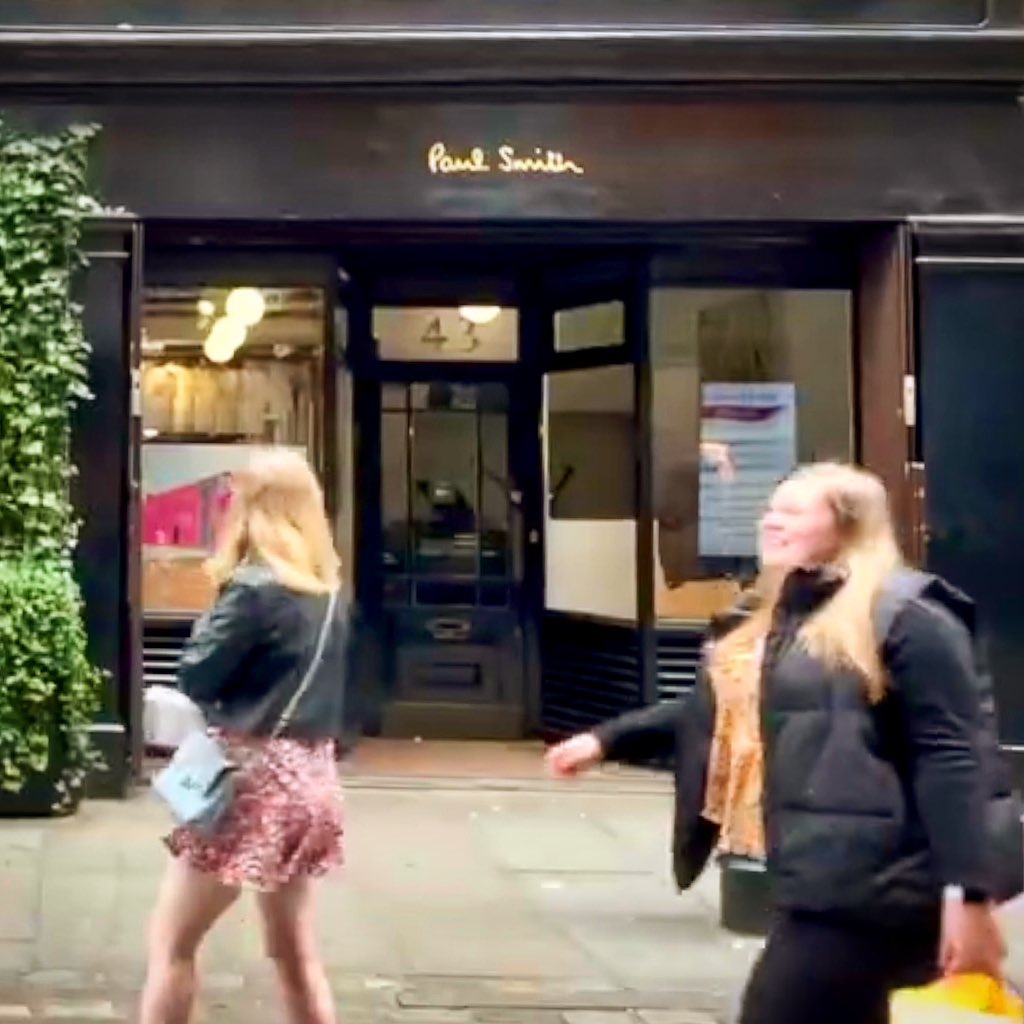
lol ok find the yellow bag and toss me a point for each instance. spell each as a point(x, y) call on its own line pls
point(964, 999)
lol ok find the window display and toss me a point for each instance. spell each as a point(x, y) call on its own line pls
point(224, 371)
point(746, 384)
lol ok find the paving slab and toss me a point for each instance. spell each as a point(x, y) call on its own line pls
point(518, 903)
point(599, 1017)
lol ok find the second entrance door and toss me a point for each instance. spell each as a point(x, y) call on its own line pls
point(450, 558)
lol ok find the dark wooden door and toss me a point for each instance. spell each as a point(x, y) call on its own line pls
point(450, 529)
point(971, 325)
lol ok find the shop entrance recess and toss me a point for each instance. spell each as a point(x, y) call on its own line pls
point(545, 462)
point(446, 413)
point(564, 463)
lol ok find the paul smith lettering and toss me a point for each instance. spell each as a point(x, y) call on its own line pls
point(506, 160)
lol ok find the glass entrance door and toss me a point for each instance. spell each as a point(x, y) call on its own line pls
point(446, 509)
point(449, 559)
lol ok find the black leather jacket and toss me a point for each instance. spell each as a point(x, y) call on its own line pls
point(247, 656)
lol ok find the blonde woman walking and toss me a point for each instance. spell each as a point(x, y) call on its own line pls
point(278, 575)
point(838, 729)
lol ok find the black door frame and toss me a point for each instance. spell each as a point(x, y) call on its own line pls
point(624, 278)
point(370, 374)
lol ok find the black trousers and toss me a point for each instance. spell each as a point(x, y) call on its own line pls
point(815, 970)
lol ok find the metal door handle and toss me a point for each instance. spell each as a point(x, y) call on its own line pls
point(449, 630)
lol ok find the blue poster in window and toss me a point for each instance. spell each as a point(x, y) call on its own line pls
point(748, 444)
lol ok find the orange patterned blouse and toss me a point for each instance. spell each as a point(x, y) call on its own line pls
point(733, 799)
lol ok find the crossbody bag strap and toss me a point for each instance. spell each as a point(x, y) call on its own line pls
point(321, 643)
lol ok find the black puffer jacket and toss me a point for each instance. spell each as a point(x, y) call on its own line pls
point(869, 810)
point(247, 656)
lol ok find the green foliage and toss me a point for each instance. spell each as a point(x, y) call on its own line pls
point(43, 354)
point(49, 692)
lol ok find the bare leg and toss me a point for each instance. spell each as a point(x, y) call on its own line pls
point(291, 944)
point(189, 904)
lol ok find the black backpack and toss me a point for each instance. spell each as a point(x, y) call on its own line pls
point(1005, 810)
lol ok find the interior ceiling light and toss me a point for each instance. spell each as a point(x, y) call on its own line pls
point(218, 352)
point(226, 337)
point(479, 314)
point(246, 305)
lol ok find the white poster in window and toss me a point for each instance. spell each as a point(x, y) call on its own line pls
point(748, 444)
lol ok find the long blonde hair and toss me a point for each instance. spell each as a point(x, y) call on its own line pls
point(841, 633)
point(277, 518)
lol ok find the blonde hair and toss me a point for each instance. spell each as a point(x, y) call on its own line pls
point(841, 633)
point(277, 518)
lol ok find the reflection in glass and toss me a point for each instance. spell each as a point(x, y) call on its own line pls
point(444, 472)
point(224, 371)
point(394, 396)
point(394, 448)
point(494, 497)
point(590, 547)
point(446, 494)
point(345, 466)
point(601, 325)
point(745, 384)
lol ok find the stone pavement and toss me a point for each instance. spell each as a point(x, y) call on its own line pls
point(464, 901)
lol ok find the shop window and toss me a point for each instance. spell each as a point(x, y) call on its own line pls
point(472, 333)
point(590, 539)
point(224, 372)
point(746, 384)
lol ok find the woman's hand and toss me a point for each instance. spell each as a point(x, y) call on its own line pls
point(574, 755)
point(971, 940)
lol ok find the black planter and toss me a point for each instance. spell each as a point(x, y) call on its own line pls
point(745, 903)
point(39, 798)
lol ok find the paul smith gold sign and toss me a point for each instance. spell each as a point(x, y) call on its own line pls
point(505, 159)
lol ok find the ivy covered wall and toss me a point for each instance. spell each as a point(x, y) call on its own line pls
point(49, 691)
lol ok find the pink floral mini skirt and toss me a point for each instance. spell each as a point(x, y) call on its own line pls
point(286, 820)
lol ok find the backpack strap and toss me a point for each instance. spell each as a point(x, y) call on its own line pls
point(903, 585)
point(906, 584)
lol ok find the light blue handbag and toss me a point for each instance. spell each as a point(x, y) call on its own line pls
point(199, 783)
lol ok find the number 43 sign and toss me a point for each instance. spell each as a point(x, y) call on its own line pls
point(463, 338)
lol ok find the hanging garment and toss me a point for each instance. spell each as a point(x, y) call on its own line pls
point(159, 384)
point(226, 413)
point(183, 407)
point(205, 400)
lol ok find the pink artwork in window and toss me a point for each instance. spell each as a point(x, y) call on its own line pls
point(187, 516)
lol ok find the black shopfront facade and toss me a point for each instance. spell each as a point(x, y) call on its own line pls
point(550, 306)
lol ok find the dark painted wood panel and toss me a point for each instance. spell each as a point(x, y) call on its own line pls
point(513, 54)
point(327, 13)
point(692, 157)
point(972, 429)
point(102, 449)
point(883, 361)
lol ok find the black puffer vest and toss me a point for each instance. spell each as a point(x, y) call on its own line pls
point(854, 794)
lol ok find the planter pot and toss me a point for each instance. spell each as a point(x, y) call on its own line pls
point(745, 904)
point(37, 799)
